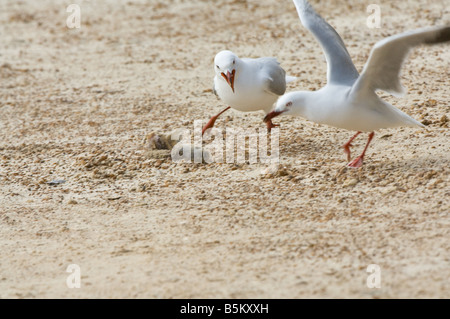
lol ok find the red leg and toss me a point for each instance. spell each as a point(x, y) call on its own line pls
point(213, 119)
point(270, 125)
point(348, 145)
point(357, 162)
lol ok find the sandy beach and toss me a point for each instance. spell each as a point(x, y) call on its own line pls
point(80, 185)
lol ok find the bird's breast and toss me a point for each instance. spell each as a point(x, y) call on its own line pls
point(247, 97)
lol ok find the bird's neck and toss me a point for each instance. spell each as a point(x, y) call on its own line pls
point(305, 105)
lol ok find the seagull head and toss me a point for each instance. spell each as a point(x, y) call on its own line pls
point(287, 104)
point(225, 65)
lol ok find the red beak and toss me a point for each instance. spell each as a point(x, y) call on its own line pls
point(271, 115)
point(230, 78)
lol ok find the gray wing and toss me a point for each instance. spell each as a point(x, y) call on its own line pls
point(340, 66)
point(382, 70)
point(275, 75)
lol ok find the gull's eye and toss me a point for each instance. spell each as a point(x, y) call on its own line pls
point(289, 104)
point(217, 66)
point(234, 61)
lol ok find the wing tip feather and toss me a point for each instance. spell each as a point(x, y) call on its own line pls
point(442, 35)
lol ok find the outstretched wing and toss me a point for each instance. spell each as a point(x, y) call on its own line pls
point(382, 70)
point(340, 66)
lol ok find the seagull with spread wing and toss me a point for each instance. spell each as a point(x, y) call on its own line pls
point(349, 100)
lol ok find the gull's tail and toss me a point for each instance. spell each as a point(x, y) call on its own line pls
point(290, 79)
point(410, 122)
point(401, 118)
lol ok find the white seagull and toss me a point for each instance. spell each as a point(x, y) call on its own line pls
point(349, 100)
point(248, 85)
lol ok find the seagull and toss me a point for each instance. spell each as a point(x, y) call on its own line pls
point(248, 85)
point(349, 100)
